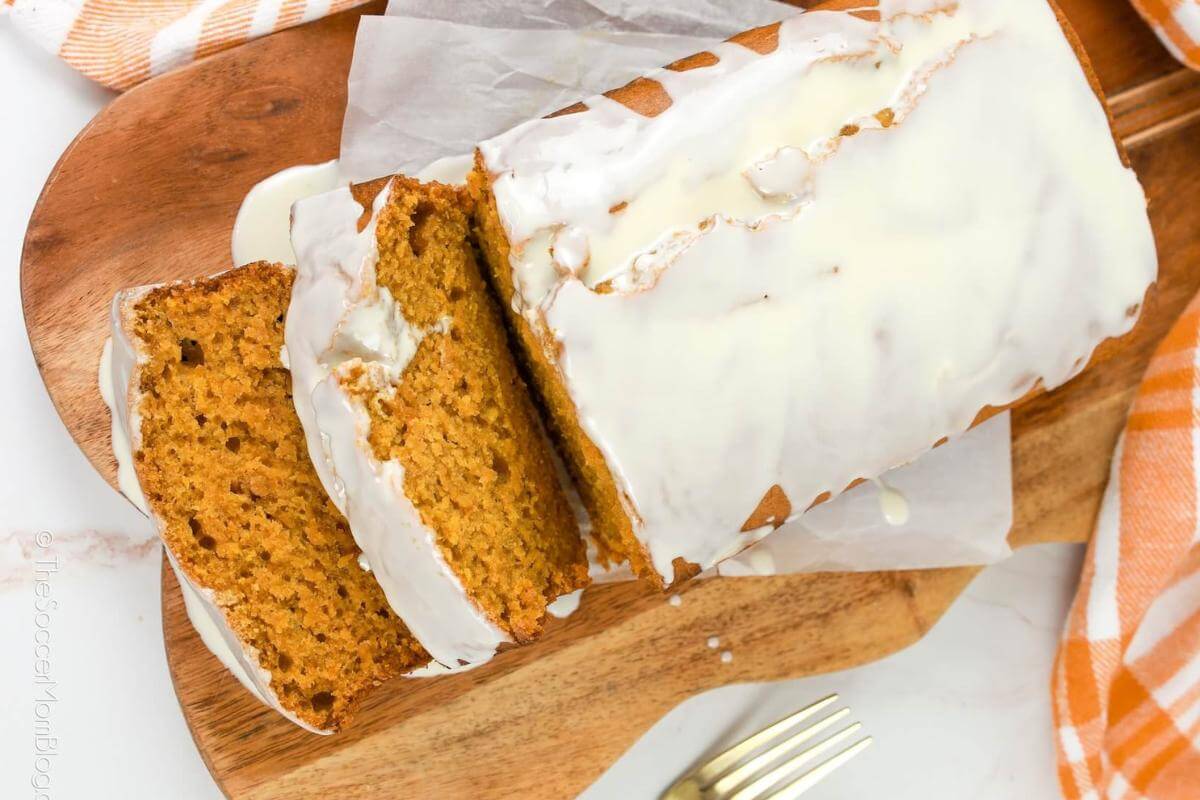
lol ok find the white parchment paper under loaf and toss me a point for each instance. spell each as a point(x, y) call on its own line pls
point(431, 79)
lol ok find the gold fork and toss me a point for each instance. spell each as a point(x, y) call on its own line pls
point(741, 773)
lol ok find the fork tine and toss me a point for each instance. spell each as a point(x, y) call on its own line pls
point(762, 785)
point(715, 767)
point(736, 777)
point(820, 772)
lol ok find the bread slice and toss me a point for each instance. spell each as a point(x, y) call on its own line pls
point(419, 422)
point(750, 279)
point(267, 563)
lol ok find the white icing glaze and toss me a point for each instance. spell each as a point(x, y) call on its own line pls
point(566, 605)
point(893, 505)
point(260, 231)
point(785, 176)
point(119, 365)
point(450, 169)
point(207, 622)
point(761, 562)
point(435, 670)
point(338, 318)
point(808, 322)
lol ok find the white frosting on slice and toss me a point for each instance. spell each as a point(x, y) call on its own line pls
point(785, 176)
point(119, 366)
point(435, 670)
point(339, 318)
point(449, 169)
point(210, 626)
point(262, 228)
point(893, 505)
point(566, 605)
point(260, 231)
point(821, 261)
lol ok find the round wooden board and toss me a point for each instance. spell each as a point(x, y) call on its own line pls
point(148, 192)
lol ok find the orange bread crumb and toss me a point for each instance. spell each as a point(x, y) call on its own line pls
point(224, 467)
point(611, 525)
point(477, 466)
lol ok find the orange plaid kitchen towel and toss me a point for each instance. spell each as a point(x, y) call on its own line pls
point(1127, 678)
point(1177, 23)
point(120, 43)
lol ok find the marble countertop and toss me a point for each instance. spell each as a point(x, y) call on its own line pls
point(963, 713)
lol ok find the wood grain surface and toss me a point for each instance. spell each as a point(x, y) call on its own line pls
point(148, 192)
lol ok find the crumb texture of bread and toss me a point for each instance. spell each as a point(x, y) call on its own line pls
point(612, 528)
point(460, 421)
point(223, 464)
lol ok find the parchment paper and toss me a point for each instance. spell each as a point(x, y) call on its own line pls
point(429, 80)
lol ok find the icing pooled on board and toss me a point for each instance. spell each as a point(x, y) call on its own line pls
point(817, 262)
point(261, 228)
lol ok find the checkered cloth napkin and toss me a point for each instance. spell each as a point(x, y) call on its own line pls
point(1127, 679)
point(1177, 23)
point(120, 43)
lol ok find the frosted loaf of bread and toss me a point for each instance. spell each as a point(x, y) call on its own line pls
point(745, 281)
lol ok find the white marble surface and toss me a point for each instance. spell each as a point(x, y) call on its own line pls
point(117, 726)
point(964, 713)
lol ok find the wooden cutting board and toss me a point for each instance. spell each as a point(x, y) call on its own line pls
point(148, 193)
